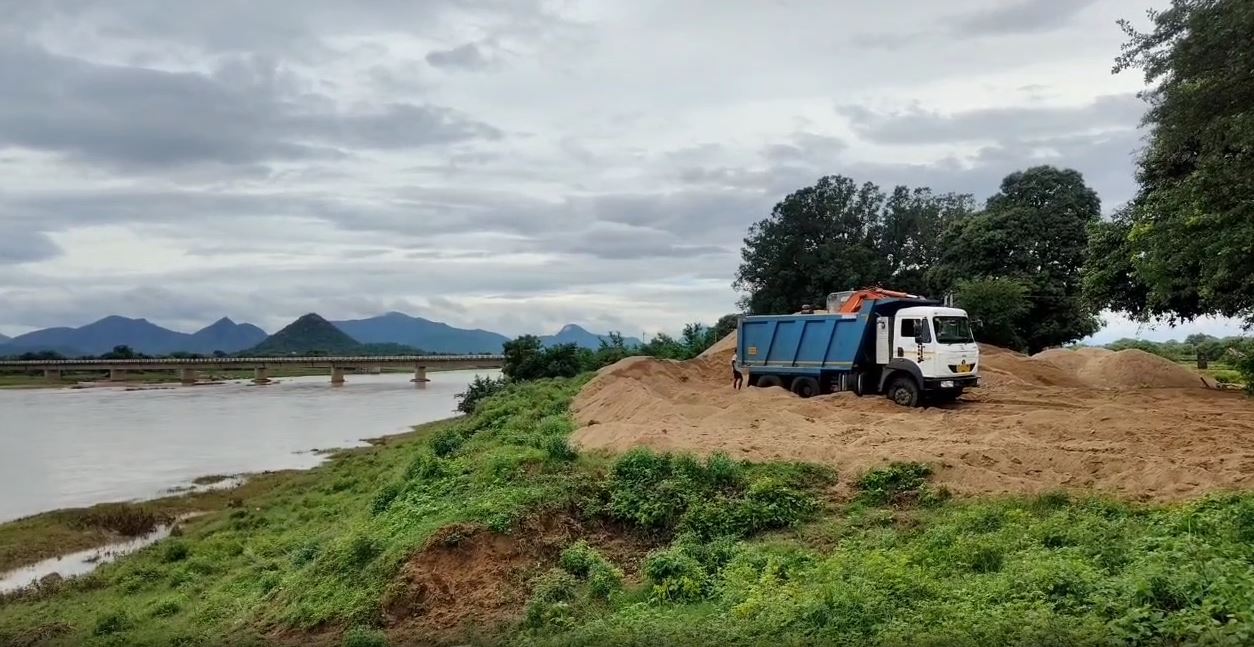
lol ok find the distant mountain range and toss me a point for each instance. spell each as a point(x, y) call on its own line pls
point(140, 334)
point(389, 332)
point(431, 336)
point(308, 333)
point(573, 334)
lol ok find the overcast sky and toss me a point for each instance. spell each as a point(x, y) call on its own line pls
point(506, 165)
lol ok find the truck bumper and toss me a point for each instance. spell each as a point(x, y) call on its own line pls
point(940, 383)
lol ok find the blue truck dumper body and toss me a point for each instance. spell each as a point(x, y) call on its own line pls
point(886, 346)
point(811, 344)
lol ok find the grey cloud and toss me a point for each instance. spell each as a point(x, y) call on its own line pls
point(604, 240)
point(249, 112)
point(25, 246)
point(290, 27)
point(1020, 17)
point(1120, 111)
point(469, 56)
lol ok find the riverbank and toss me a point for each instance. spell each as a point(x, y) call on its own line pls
point(491, 529)
point(57, 532)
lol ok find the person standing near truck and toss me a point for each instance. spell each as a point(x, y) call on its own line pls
point(737, 379)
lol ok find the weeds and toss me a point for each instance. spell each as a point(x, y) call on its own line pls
point(892, 483)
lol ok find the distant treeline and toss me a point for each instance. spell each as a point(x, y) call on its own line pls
point(1199, 346)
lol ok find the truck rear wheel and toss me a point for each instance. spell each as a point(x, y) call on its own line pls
point(903, 391)
point(768, 381)
point(806, 387)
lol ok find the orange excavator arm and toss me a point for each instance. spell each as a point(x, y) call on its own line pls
point(854, 302)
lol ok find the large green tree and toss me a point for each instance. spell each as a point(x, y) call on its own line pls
point(1187, 239)
point(1034, 231)
point(839, 235)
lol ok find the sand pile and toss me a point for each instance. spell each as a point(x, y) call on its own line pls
point(1001, 368)
point(1101, 368)
point(1036, 426)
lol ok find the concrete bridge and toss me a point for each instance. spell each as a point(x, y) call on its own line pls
point(188, 369)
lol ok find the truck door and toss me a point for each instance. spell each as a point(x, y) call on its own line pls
point(883, 339)
point(913, 336)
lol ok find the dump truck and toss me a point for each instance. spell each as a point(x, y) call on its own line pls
point(872, 341)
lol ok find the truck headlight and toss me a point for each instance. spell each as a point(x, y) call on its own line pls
point(947, 384)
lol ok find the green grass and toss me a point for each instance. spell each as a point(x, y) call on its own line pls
point(746, 554)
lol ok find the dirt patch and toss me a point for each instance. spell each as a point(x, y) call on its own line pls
point(1035, 425)
point(468, 581)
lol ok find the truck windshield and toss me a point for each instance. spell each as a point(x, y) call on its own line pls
point(953, 330)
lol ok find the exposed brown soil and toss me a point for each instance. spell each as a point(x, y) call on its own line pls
point(1127, 423)
point(469, 580)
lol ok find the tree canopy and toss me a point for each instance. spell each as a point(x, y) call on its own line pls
point(838, 235)
point(1034, 231)
point(1183, 247)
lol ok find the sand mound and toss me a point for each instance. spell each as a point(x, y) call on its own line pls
point(1102, 368)
point(1037, 425)
point(1000, 368)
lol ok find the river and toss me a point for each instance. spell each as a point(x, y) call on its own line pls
point(64, 448)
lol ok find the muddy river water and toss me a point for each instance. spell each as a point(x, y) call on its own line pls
point(74, 447)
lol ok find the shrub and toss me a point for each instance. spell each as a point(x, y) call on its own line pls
point(384, 497)
point(174, 551)
point(166, 608)
point(448, 440)
point(887, 484)
point(675, 575)
point(579, 558)
point(112, 622)
point(643, 492)
point(558, 448)
point(122, 518)
point(479, 389)
point(425, 466)
point(364, 637)
point(604, 579)
point(551, 597)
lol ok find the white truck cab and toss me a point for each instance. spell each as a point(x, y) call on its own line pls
point(932, 343)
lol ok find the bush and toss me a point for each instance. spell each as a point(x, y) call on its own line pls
point(551, 596)
point(1245, 365)
point(384, 497)
point(889, 484)
point(174, 551)
point(585, 563)
point(364, 637)
point(712, 499)
point(425, 466)
point(112, 622)
point(166, 608)
point(675, 575)
point(479, 389)
point(579, 558)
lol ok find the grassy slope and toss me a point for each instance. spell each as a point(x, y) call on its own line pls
point(318, 551)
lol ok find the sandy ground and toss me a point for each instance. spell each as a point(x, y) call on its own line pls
point(1126, 423)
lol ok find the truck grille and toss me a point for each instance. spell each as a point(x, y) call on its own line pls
point(954, 368)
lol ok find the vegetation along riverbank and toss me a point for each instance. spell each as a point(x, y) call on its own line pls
point(492, 529)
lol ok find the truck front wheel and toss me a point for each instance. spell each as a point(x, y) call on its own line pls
point(904, 391)
point(806, 387)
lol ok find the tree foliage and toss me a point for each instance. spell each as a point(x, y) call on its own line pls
point(526, 358)
point(1034, 231)
point(839, 235)
point(996, 307)
point(1188, 236)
